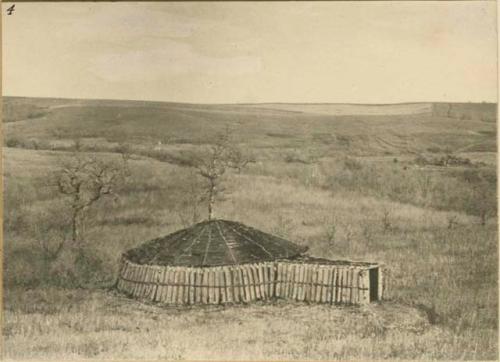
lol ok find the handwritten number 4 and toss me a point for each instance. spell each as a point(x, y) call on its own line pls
point(11, 9)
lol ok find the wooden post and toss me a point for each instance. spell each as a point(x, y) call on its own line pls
point(307, 283)
point(317, 282)
point(242, 284)
point(295, 278)
point(273, 274)
point(182, 286)
point(146, 280)
point(191, 285)
point(204, 285)
point(142, 281)
point(351, 285)
point(346, 286)
point(324, 284)
point(161, 287)
point(355, 286)
point(134, 280)
point(381, 281)
point(246, 282)
point(262, 280)
point(365, 282)
point(336, 285)
point(211, 284)
point(229, 284)
point(185, 298)
point(285, 285)
point(302, 285)
point(198, 292)
point(330, 285)
point(239, 292)
point(341, 284)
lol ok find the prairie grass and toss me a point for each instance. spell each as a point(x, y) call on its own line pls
point(319, 183)
point(55, 324)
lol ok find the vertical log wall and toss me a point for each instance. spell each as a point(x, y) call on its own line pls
point(318, 283)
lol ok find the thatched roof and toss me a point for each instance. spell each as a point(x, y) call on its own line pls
point(215, 242)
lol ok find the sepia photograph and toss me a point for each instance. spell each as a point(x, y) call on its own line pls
point(237, 181)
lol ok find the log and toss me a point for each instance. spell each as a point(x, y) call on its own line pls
point(314, 280)
point(135, 278)
point(341, 284)
point(192, 274)
point(144, 279)
point(380, 283)
point(222, 285)
point(175, 288)
point(216, 286)
point(262, 281)
point(279, 280)
point(335, 286)
point(237, 296)
point(291, 276)
point(229, 285)
point(302, 273)
point(345, 290)
point(168, 285)
point(198, 282)
point(179, 287)
point(291, 280)
point(355, 285)
point(161, 288)
point(256, 281)
point(324, 284)
point(312, 291)
point(251, 282)
point(307, 283)
point(246, 283)
point(330, 285)
point(137, 273)
point(317, 274)
point(211, 289)
point(147, 286)
point(271, 279)
point(366, 284)
point(204, 283)
point(185, 285)
point(197, 285)
point(349, 284)
point(242, 286)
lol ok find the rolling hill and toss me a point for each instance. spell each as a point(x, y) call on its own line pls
point(361, 130)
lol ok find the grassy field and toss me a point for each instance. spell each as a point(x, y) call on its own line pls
point(347, 186)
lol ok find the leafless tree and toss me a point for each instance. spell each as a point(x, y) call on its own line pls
point(188, 211)
point(85, 179)
point(221, 155)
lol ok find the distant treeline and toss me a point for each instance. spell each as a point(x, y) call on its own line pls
point(471, 111)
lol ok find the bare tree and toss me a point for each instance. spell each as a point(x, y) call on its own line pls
point(84, 180)
point(188, 207)
point(213, 164)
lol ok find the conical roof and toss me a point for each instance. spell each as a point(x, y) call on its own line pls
point(212, 243)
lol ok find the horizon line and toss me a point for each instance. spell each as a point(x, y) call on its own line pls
point(246, 103)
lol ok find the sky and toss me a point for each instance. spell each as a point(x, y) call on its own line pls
point(244, 52)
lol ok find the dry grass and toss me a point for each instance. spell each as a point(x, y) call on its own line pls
point(444, 288)
point(57, 324)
